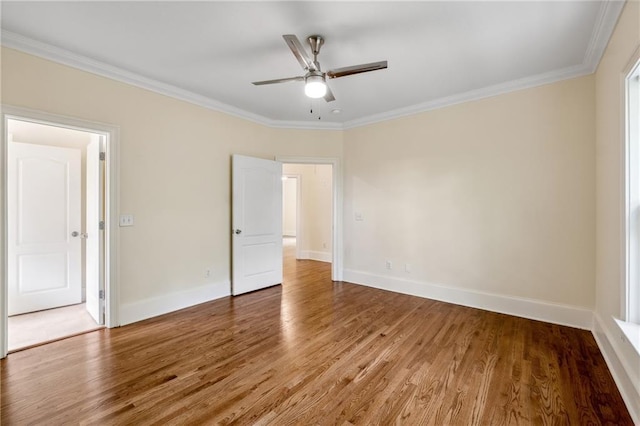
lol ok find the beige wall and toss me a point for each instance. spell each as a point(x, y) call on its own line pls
point(621, 51)
point(494, 196)
point(316, 209)
point(174, 169)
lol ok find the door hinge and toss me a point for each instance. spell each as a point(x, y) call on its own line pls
point(102, 156)
point(101, 225)
point(101, 295)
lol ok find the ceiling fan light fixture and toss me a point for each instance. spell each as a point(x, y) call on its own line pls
point(315, 86)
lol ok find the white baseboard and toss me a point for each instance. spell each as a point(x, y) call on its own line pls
point(626, 377)
point(149, 308)
point(572, 316)
point(320, 256)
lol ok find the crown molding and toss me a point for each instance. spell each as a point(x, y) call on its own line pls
point(303, 125)
point(473, 95)
point(56, 54)
point(606, 20)
point(65, 57)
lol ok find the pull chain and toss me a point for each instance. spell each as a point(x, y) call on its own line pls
point(311, 110)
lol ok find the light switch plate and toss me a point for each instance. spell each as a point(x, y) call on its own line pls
point(126, 220)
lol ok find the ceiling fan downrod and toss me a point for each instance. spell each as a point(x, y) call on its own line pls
point(316, 42)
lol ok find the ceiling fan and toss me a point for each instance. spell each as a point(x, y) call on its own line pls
point(315, 78)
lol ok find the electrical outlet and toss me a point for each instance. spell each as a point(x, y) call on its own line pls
point(207, 273)
point(407, 267)
point(389, 265)
point(126, 220)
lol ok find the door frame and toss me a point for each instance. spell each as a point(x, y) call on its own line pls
point(111, 197)
point(337, 243)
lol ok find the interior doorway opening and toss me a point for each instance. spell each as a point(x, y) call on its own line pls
point(55, 199)
point(307, 206)
point(58, 226)
point(311, 206)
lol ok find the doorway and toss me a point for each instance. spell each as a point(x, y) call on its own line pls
point(307, 210)
point(58, 238)
point(312, 205)
point(54, 199)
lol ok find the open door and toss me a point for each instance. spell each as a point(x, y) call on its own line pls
point(257, 224)
point(44, 246)
point(94, 243)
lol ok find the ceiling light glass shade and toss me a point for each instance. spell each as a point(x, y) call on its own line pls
point(315, 87)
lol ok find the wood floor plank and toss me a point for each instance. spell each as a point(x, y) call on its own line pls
point(314, 352)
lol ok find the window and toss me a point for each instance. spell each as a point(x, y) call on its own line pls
point(631, 296)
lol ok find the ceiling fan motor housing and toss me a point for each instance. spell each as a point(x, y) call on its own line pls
point(314, 75)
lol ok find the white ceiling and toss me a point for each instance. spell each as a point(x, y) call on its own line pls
point(439, 53)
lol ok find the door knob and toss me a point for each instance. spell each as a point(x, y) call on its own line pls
point(238, 231)
point(75, 233)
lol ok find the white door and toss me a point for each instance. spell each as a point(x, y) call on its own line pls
point(94, 243)
point(44, 246)
point(257, 224)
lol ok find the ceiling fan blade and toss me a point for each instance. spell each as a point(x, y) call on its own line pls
point(278, 80)
point(356, 69)
point(329, 95)
point(299, 52)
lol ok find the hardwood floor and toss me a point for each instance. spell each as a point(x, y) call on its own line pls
point(316, 352)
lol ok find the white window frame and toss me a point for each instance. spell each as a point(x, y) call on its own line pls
point(629, 321)
point(631, 294)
